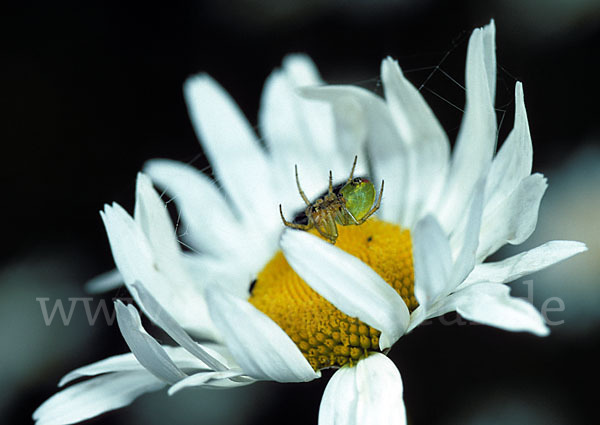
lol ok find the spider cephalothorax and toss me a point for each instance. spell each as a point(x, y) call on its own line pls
point(353, 204)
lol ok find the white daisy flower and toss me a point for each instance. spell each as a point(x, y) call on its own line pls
point(284, 307)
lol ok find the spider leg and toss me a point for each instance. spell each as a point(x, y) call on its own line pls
point(374, 208)
point(328, 229)
point(352, 172)
point(344, 214)
point(330, 183)
point(304, 198)
point(294, 225)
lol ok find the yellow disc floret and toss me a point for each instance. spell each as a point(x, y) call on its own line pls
point(326, 336)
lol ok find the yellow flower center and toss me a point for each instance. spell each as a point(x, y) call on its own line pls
point(326, 336)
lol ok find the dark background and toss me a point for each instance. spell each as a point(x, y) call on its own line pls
point(91, 90)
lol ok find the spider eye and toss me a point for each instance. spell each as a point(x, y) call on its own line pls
point(357, 180)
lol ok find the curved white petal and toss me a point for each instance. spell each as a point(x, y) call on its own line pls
point(332, 137)
point(514, 159)
point(491, 304)
point(351, 130)
point(90, 398)
point(428, 144)
point(234, 152)
point(160, 271)
point(524, 263)
point(468, 235)
point(229, 273)
point(432, 261)
point(163, 319)
point(477, 136)
point(258, 344)
point(104, 282)
point(152, 216)
point(368, 394)
point(202, 379)
point(417, 316)
point(128, 363)
point(124, 378)
point(282, 125)
point(413, 117)
point(128, 244)
point(119, 363)
point(386, 149)
point(209, 224)
point(132, 253)
point(489, 56)
point(298, 130)
point(312, 134)
point(348, 283)
point(515, 219)
point(144, 347)
point(301, 71)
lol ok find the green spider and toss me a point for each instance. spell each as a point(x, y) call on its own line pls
point(353, 204)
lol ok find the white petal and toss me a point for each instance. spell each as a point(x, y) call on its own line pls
point(296, 130)
point(469, 237)
point(128, 363)
point(259, 345)
point(489, 56)
point(515, 219)
point(234, 152)
point(229, 273)
point(514, 159)
point(386, 149)
point(201, 379)
point(281, 122)
point(432, 261)
point(300, 131)
point(525, 263)
point(419, 128)
point(491, 304)
point(145, 348)
point(316, 118)
point(209, 223)
point(348, 283)
point(90, 398)
point(414, 119)
point(161, 272)
point(368, 394)
point(301, 70)
point(130, 249)
point(163, 319)
point(418, 316)
point(477, 136)
point(152, 215)
point(104, 282)
point(351, 130)
point(120, 363)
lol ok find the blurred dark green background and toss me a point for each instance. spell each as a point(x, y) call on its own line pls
point(91, 90)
